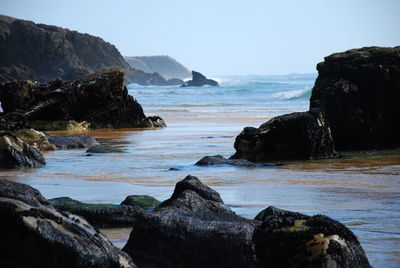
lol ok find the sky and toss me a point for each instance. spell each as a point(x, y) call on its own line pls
point(219, 37)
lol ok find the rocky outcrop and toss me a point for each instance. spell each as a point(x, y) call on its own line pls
point(71, 141)
point(194, 228)
point(220, 160)
point(15, 153)
point(199, 80)
point(166, 66)
point(101, 99)
point(359, 91)
point(34, 234)
point(40, 52)
point(99, 215)
point(143, 201)
point(304, 135)
point(289, 239)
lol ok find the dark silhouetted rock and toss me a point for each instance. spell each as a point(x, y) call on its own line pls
point(42, 52)
point(143, 201)
point(99, 215)
point(289, 239)
point(13, 121)
point(220, 160)
point(359, 91)
point(101, 99)
point(304, 135)
point(166, 66)
point(34, 234)
point(72, 141)
point(15, 153)
point(192, 229)
point(199, 80)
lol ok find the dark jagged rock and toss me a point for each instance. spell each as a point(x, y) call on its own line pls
point(143, 201)
point(34, 234)
point(40, 52)
point(199, 80)
point(13, 121)
point(99, 215)
point(289, 239)
point(304, 135)
point(72, 141)
point(15, 153)
point(359, 91)
point(100, 99)
point(166, 66)
point(192, 229)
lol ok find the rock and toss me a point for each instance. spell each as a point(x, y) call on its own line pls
point(36, 139)
point(13, 121)
point(103, 149)
point(304, 135)
point(53, 52)
point(15, 153)
point(199, 80)
point(34, 234)
point(359, 91)
point(153, 122)
point(220, 160)
point(288, 239)
point(99, 215)
point(192, 229)
point(101, 99)
point(72, 141)
point(144, 201)
point(62, 125)
point(166, 66)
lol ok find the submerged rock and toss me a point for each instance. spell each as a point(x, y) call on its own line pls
point(72, 141)
point(289, 239)
point(99, 215)
point(144, 201)
point(15, 153)
point(101, 99)
point(220, 160)
point(359, 91)
point(104, 149)
point(304, 135)
point(199, 80)
point(192, 229)
point(35, 234)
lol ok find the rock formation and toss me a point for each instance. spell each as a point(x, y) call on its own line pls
point(199, 80)
point(71, 141)
point(220, 160)
point(304, 135)
point(40, 52)
point(143, 201)
point(194, 228)
point(35, 234)
point(99, 215)
point(166, 66)
point(359, 91)
point(101, 99)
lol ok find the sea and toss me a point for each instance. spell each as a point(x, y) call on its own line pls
point(359, 189)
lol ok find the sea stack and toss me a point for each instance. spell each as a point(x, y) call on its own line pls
point(199, 80)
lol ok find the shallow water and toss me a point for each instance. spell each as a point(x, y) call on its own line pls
point(361, 189)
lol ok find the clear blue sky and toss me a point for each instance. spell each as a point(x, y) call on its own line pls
point(225, 37)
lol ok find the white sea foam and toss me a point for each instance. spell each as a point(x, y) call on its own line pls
point(292, 94)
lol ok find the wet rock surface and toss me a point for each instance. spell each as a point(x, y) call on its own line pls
point(72, 141)
point(359, 91)
point(220, 160)
point(100, 99)
point(99, 215)
point(302, 135)
point(144, 201)
point(34, 234)
point(199, 80)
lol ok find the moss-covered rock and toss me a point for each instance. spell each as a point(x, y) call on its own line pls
point(144, 201)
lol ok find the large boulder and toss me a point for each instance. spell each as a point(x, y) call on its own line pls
point(199, 80)
point(99, 215)
point(35, 234)
point(289, 239)
point(359, 91)
point(144, 201)
point(192, 229)
point(302, 135)
point(15, 153)
point(100, 99)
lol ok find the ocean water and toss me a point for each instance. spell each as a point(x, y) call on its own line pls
point(361, 189)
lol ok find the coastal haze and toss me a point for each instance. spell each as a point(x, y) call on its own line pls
point(263, 54)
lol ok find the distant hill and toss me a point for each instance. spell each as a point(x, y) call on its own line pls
point(43, 52)
point(167, 66)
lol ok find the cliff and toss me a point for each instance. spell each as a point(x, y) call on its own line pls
point(42, 52)
point(166, 66)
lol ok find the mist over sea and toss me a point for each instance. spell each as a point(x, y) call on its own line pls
point(360, 189)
